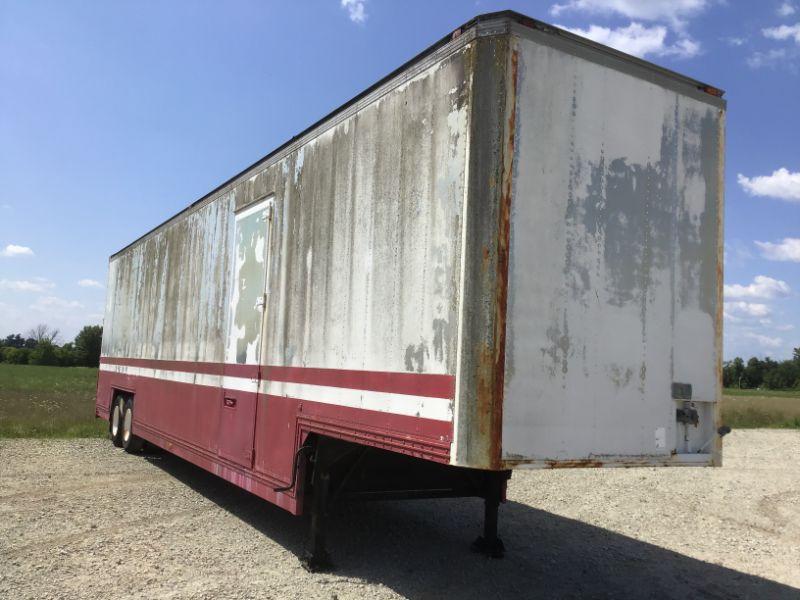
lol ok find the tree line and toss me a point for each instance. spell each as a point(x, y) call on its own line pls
point(767, 373)
point(39, 346)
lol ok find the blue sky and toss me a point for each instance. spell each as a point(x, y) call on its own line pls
point(116, 115)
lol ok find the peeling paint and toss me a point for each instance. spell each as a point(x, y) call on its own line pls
point(613, 283)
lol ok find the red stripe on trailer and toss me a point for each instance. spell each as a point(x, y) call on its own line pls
point(185, 419)
point(414, 384)
point(185, 366)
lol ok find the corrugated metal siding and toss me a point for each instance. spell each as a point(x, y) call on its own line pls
point(167, 296)
point(365, 245)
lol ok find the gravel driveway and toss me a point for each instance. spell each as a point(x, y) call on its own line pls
point(80, 519)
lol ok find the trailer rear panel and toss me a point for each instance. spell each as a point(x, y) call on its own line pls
point(614, 305)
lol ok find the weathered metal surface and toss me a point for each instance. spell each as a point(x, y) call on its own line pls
point(361, 264)
point(366, 247)
point(478, 396)
point(613, 282)
point(527, 224)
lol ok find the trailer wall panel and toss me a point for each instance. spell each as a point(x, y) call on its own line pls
point(615, 279)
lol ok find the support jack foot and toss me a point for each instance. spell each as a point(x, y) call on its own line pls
point(489, 544)
point(493, 549)
point(317, 563)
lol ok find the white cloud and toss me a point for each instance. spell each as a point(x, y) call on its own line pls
point(355, 10)
point(90, 283)
point(638, 40)
point(47, 303)
point(6, 206)
point(737, 252)
point(765, 340)
point(785, 327)
point(748, 309)
point(786, 9)
point(786, 250)
point(674, 12)
point(784, 32)
point(735, 41)
point(762, 287)
point(683, 48)
point(767, 59)
point(13, 250)
point(22, 285)
point(781, 184)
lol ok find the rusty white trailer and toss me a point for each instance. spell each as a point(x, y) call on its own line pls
point(507, 253)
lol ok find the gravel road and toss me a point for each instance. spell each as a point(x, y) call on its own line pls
point(80, 519)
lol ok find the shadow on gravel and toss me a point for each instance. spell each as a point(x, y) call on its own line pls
point(420, 549)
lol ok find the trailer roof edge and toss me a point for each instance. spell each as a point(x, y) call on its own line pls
point(509, 15)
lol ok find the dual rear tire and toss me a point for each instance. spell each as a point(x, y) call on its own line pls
point(115, 420)
point(120, 425)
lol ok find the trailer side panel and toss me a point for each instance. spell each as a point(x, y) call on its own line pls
point(359, 326)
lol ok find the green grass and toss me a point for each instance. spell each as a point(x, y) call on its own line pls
point(53, 402)
point(762, 393)
point(746, 409)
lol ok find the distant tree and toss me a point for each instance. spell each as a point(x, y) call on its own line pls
point(767, 373)
point(17, 356)
point(783, 376)
point(733, 372)
point(43, 333)
point(67, 355)
point(30, 343)
point(3, 351)
point(754, 373)
point(87, 345)
point(14, 340)
point(45, 353)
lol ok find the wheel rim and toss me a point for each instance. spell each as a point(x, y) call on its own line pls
point(115, 421)
point(126, 426)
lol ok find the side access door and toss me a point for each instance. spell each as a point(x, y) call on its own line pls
point(246, 318)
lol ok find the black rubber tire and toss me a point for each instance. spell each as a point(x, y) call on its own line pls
point(115, 429)
point(130, 442)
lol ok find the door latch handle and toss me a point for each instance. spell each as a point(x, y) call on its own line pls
point(230, 402)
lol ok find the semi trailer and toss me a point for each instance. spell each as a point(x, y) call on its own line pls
point(505, 254)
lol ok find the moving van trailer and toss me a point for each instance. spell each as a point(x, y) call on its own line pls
point(505, 254)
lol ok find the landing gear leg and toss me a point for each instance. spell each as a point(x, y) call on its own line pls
point(489, 544)
point(316, 557)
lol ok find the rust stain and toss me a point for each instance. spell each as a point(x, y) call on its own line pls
point(584, 463)
point(501, 289)
point(485, 392)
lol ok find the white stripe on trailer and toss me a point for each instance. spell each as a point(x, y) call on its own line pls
point(438, 409)
point(426, 407)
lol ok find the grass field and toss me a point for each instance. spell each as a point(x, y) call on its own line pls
point(59, 402)
point(762, 393)
point(48, 402)
point(761, 408)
